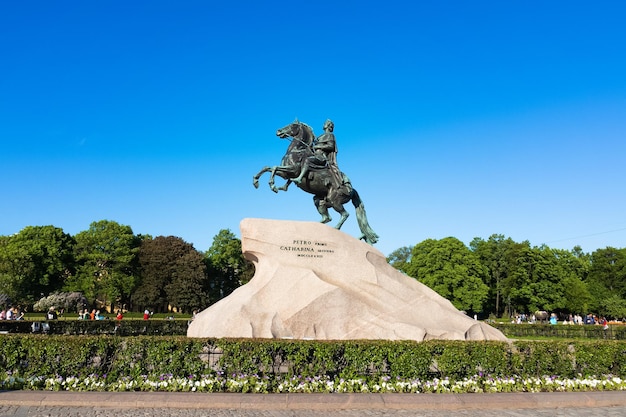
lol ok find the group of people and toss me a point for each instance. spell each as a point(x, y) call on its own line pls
point(588, 319)
point(97, 315)
point(569, 319)
point(93, 315)
point(14, 313)
point(11, 313)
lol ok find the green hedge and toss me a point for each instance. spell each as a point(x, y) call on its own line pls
point(614, 332)
point(101, 327)
point(33, 356)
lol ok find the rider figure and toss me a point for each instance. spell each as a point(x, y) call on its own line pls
point(325, 156)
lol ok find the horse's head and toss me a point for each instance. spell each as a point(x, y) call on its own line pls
point(297, 130)
point(291, 130)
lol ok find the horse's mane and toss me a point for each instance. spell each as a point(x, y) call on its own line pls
point(310, 129)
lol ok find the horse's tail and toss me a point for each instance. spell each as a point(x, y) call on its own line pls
point(368, 233)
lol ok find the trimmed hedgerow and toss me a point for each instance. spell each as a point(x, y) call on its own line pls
point(116, 358)
point(611, 332)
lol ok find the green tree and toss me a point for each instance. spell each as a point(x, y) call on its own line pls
point(188, 289)
point(497, 254)
point(526, 279)
point(452, 270)
point(226, 266)
point(572, 269)
point(35, 262)
point(67, 302)
point(613, 307)
point(400, 258)
point(578, 299)
point(173, 274)
point(538, 281)
point(9, 280)
point(107, 264)
point(607, 277)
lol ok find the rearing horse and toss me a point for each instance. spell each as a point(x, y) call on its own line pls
point(317, 182)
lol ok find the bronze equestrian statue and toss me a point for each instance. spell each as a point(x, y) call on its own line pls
point(311, 164)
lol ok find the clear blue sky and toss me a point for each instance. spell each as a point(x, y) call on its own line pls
point(453, 118)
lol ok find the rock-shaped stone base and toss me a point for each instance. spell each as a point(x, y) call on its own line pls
point(315, 282)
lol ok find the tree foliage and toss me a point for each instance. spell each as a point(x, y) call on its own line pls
point(70, 302)
point(607, 277)
point(112, 267)
point(400, 258)
point(452, 270)
point(173, 274)
point(34, 262)
point(226, 266)
point(496, 254)
point(106, 255)
point(538, 283)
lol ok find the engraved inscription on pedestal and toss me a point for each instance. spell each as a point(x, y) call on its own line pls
point(308, 248)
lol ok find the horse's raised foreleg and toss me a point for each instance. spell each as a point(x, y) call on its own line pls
point(255, 179)
point(284, 172)
point(284, 187)
point(271, 182)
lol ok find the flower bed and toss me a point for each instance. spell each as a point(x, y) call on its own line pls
point(324, 384)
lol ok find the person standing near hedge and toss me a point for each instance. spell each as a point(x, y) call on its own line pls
point(52, 314)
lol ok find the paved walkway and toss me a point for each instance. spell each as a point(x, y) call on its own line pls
point(122, 404)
